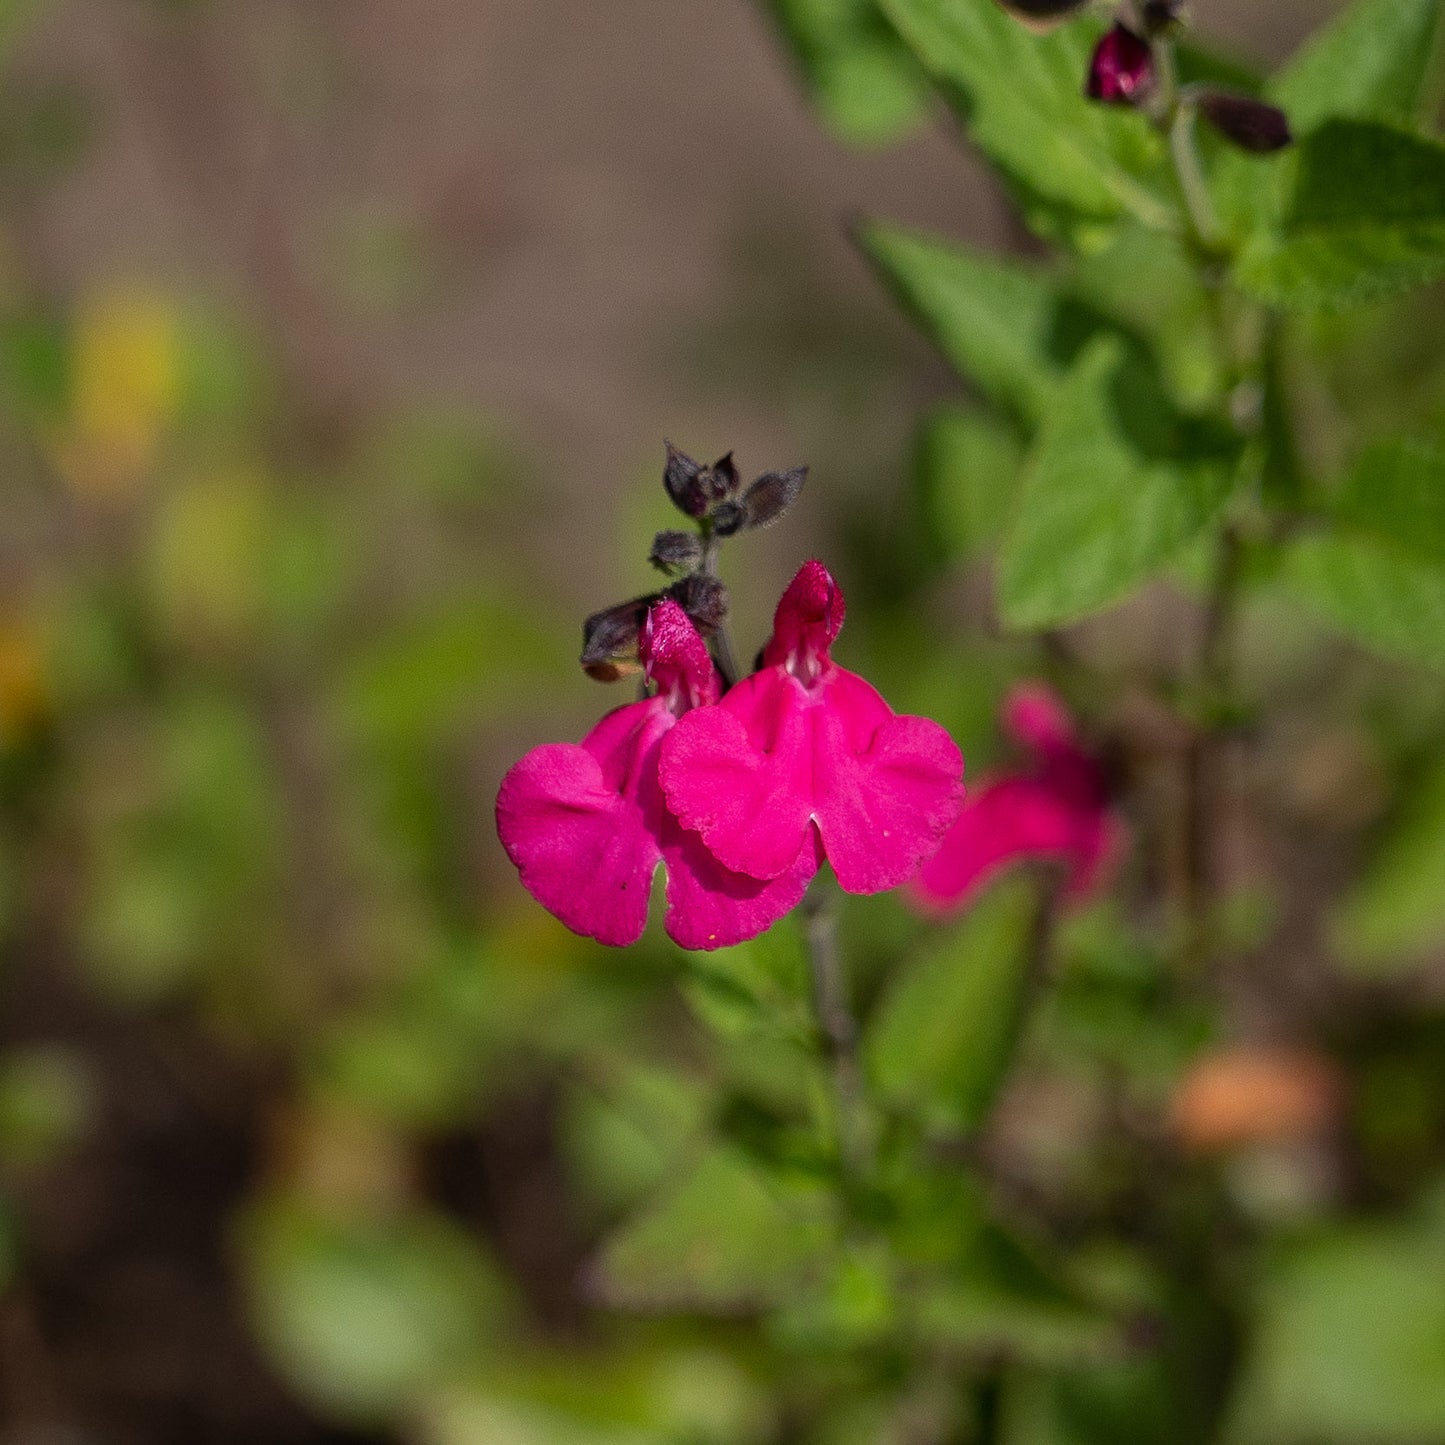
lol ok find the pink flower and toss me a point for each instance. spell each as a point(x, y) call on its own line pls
point(586, 824)
point(1057, 807)
point(804, 750)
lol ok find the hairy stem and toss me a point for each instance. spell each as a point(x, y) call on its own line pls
point(721, 643)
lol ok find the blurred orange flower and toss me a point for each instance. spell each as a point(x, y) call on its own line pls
point(1253, 1095)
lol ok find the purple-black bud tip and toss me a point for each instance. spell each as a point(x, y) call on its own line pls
point(1122, 69)
point(1252, 125)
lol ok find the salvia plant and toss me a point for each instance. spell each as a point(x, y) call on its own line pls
point(1058, 1152)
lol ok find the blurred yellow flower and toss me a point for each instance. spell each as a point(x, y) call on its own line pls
point(124, 389)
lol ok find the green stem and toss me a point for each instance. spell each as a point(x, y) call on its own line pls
point(1190, 174)
point(836, 1025)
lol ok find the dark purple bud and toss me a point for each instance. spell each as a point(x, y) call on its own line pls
point(683, 479)
point(704, 598)
point(771, 495)
point(1042, 14)
point(609, 639)
point(1162, 16)
point(675, 552)
point(728, 518)
point(1250, 124)
point(721, 480)
point(1122, 70)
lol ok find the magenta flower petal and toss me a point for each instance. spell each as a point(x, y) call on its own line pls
point(804, 741)
point(1057, 807)
point(587, 825)
point(583, 849)
point(737, 774)
point(884, 810)
point(710, 906)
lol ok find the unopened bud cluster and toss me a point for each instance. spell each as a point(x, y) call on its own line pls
point(1126, 69)
point(714, 499)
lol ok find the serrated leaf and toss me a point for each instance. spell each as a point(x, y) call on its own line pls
point(1393, 915)
point(1396, 491)
point(859, 74)
point(1366, 219)
point(944, 1036)
point(1101, 508)
point(1373, 593)
point(726, 1236)
point(968, 468)
point(1021, 96)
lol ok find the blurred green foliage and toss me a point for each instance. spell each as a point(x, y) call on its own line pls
point(481, 1183)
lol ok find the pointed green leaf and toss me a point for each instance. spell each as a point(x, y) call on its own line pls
point(1021, 95)
point(1101, 508)
point(945, 1035)
point(858, 73)
point(993, 319)
point(1366, 219)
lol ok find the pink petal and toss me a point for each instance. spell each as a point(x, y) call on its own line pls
point(675, 658)
point(583, 850)
point(749, 774)
point(711, 907)
point(883, 811)
point(740, 774)
point(808, 618)
point(1012, 820)
point(1034, 717)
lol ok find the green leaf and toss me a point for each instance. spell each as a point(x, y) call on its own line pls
point(1348, 1341)
point(727, 1235)
point(945, 1035)
point(362, 1316)
point(1021, 95)
point(1373, 593)
point(1101, 508)
point(1371, 62)
point(1366, 219)
point(859, 74)
point(994, 320)
point(1393, 914)
point(967, 473)
point(1397, 492)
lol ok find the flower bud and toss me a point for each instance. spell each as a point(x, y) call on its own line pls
point(705, 600)
point(695, 489)
point(674, 552)
point(609, 639)
point(721, 480)
point(771, 495)
point(1250, 124)
point(728, 518)
point(681, 476)
point(1122, 69)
